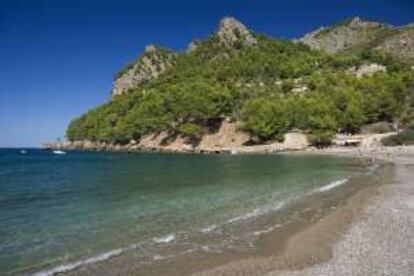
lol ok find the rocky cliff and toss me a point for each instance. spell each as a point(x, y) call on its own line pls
point(357, 35)
point(233, 33)
point(401, 44)
point(153, 62)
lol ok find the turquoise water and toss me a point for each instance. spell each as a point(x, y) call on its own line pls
point(58, 212)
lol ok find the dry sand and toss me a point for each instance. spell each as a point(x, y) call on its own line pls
point(381, 239)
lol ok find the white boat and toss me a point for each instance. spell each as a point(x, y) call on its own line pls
point(59, 152)
point(23, 151)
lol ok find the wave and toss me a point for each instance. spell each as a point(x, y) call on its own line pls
point(332, 185)
point(101, 257)
point(71, 266)
point(165, 239)
point(267, 230)
point(257, 212)
point(171, 237)
point(209, 228)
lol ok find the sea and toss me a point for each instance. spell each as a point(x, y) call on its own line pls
point(60, 212)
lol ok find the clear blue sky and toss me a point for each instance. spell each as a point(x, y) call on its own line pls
point(57, 58)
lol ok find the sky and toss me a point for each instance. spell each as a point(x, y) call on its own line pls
point(58, 58)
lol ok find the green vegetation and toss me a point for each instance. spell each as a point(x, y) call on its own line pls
point(191, 130)
point(405, 137)
point(256, 86)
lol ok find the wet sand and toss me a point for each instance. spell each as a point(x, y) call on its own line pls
point(306, 245)
point(381, 239)
point(301, 244)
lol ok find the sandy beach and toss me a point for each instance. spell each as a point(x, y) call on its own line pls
point(380, 241)
point(365, 231)
point(372, 234)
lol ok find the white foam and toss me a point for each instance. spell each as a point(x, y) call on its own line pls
point(257, 212)
point(209, 228)
point(267, 230)
point(252, 214)
point(332, 185)
point(157, 257)
point(71, 266)
point(101, 257)
point(165, 239)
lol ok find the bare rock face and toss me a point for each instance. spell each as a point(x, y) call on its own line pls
point(400, 45)
point(233, 33)
point(344, 35)
point(193, 45)
point(153, 62)
point(368, 69)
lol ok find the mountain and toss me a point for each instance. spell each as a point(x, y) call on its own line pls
point(154, 61)
point(237, 87)
point(356, 35)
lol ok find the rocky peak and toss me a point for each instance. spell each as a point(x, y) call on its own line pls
point(147, 67)
point(345, 35)
point(193, 45)
point(150, 48)
point(233, 33)
point(357, 22)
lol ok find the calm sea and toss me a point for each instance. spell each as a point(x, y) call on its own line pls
point(59, 212)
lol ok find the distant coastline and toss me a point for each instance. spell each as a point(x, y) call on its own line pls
point(224, 142)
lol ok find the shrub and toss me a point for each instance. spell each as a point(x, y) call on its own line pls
point(266, 118)
point(405, 137)
point(321, 139)
point(191, 130)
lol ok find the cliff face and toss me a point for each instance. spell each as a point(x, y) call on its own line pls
point(233, 33)
point(153, 62)
point(345, 35)
point(356, 35)
point(401, 44)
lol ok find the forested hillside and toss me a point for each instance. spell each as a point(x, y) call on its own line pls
point(269, 86)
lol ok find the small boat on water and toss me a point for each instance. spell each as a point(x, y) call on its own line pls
point(23, 151)
point(59, 152)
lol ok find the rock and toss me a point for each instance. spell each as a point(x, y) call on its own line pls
point(147, 67)
point(233, 33)
point(193, 45)
point(344, 35)
point(400, 45)
point(299, 89)
point(366, 35)
point(150, 48)
point(295, 141)
point(368, 69)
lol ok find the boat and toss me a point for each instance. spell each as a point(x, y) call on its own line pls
point(59, 152)
point(23, 151)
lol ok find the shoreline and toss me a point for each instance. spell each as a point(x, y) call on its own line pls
point(379, 240)
point(294, 249)
point(365, 228)
point(294, 142)
point(275, 250)
point(308, 244)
